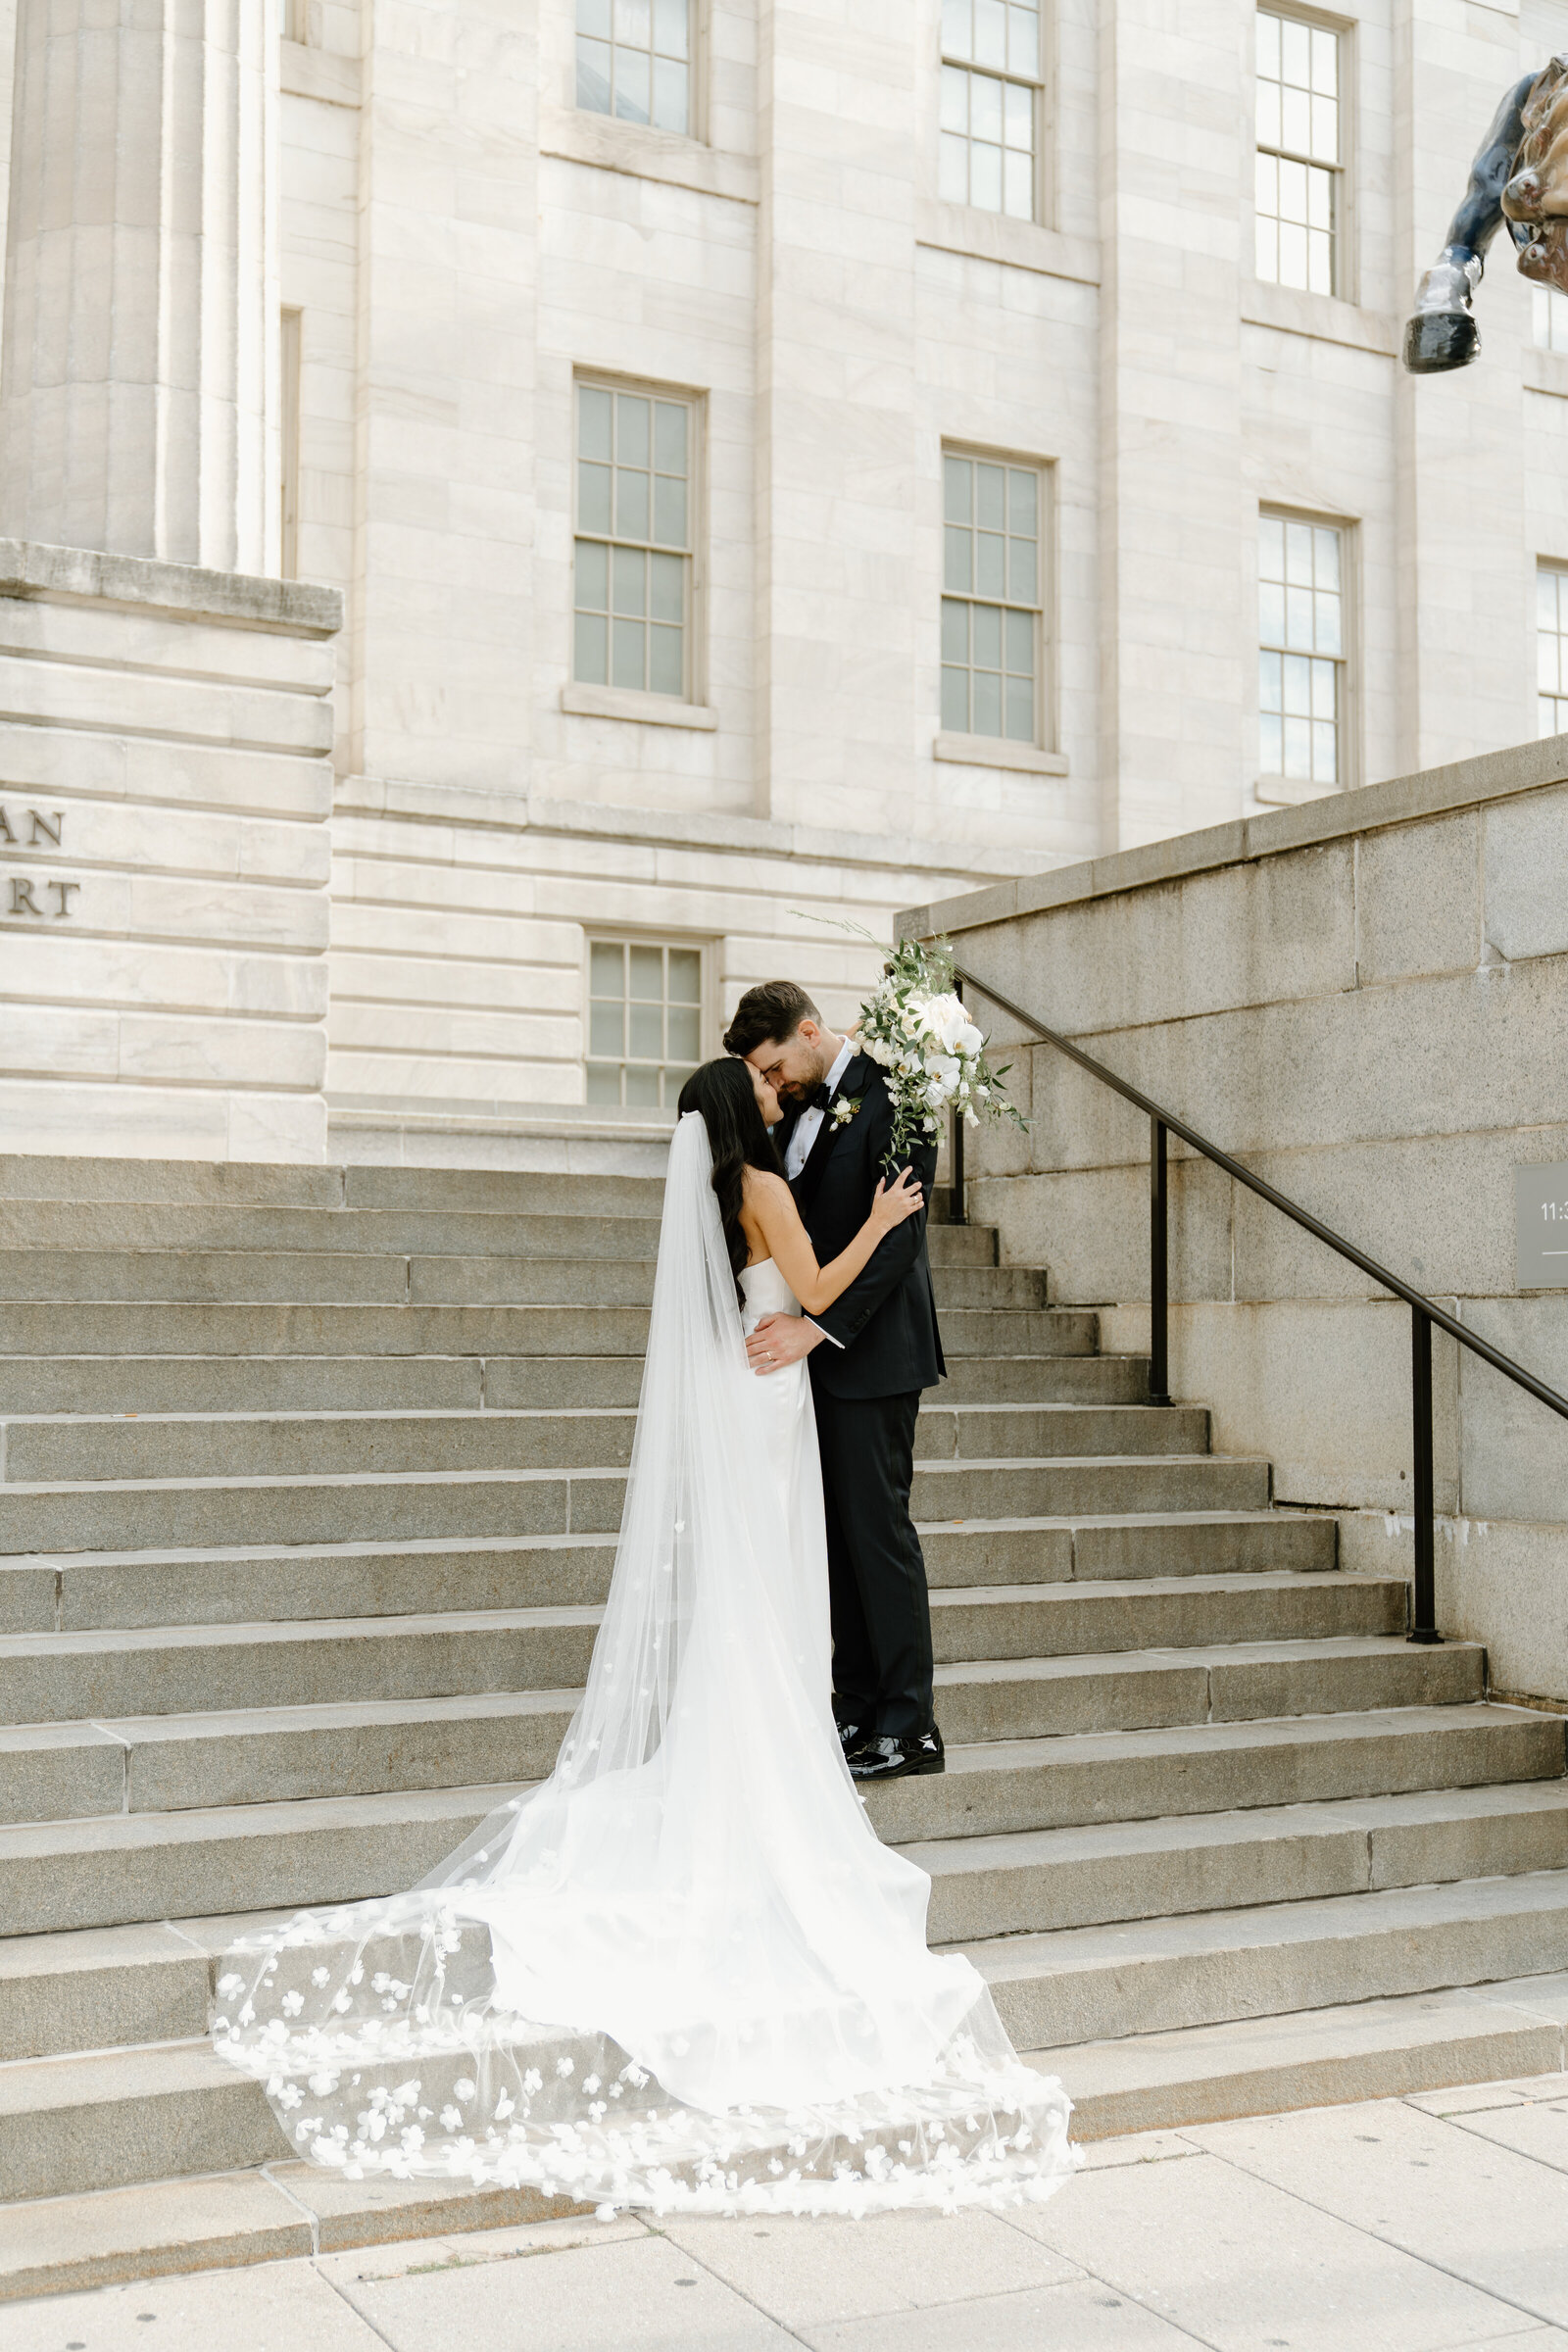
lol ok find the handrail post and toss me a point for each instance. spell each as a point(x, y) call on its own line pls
point(958, 1214)
point(1158, 1267)
point(1424, 1610)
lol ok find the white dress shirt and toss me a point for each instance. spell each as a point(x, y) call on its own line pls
point(809, 1125)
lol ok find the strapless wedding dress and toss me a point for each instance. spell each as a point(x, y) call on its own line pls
point(791, 1464)
point(684, 1974)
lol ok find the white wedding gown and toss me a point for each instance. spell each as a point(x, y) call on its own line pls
point(683, 1973)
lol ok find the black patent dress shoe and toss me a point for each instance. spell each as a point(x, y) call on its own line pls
point(898, 1757)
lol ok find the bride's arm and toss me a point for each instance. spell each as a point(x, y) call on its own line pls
point(817, 1287)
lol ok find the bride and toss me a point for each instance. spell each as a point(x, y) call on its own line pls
point(682, 1973)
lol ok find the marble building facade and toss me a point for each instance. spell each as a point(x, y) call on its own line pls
point(521, 515)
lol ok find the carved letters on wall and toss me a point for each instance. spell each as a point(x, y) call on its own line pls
point(28, 895)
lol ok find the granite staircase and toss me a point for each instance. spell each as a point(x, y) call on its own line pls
point(308, 1491)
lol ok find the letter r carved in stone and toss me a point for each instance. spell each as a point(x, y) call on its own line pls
point(22, 898)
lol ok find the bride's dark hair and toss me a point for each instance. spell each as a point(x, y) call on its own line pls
point(722, 1095)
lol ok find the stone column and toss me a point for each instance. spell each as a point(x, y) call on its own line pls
point(140, 296)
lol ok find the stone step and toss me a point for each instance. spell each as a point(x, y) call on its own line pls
point(992, 1680)
point(107, 1870)
point(1115, 1545)
point(1071, 1781)
point(77, 1591)
point(112, 2117)
point(283, 1383)
point(510, 1191)
point(1206, 2074)
point(139, 1514)
point(42, 1176)
point(118, 1225)
point(50, 1450)
point(153, 2229)
point(108, 2117)
point(159, 1764)
point(1383, 2049)
point(114, 1327)
point(388, 1703)
point(1209, 1968)
point(223, 1861)
point(1026, 1696)
point(338, 1277)
point(118, 1986)
point(1046, 1880)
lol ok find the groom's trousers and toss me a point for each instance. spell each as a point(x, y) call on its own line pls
point(876, 1574)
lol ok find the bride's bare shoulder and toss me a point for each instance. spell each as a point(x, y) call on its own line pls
point(762, 1190)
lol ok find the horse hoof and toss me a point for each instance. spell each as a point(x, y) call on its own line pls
point(1437, 340)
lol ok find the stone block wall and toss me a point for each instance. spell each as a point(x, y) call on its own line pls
point(166, 782)
point(1365, 998)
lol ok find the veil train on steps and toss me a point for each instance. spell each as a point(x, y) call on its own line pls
point(683, 1973)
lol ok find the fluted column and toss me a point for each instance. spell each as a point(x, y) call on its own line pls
point(140, 310)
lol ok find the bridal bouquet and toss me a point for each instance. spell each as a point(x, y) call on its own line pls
point(914, 1026)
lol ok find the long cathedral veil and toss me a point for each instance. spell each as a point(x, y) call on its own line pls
point(683, 1972)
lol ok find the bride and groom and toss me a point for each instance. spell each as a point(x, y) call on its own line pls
point(684, 1973)
point(870, 1351)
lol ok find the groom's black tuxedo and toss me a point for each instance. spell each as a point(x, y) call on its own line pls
point(866, 1389)
point(886, 1322)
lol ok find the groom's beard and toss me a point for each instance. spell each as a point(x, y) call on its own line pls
point(795, 1093)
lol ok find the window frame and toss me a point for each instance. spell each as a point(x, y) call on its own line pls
point(632, 935)
point(1558, 566)
point(1344, 248)
point(1039, 86)
point(1272, 789)
point(1546, 305)
point(1044, 470)
point(694, 626)
point(697, 38)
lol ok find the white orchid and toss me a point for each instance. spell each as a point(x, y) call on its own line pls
point(916, 1028)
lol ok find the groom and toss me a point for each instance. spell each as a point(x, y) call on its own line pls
point(873, 1352)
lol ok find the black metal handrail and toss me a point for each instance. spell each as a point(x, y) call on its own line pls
point(1424, 1311)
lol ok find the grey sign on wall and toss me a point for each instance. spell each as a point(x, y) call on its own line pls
point(1540, 1213)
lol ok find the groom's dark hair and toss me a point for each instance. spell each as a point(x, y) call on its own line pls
point(768, 1015)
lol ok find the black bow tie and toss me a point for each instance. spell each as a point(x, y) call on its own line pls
point(820, 1099)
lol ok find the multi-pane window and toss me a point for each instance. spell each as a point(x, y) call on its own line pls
point(1548, 319)
point(645, 1020)
point(992, 600)
point(633, 550)
point(991, 104)
point(1299, 143)
point(1300, 661)
point(635, 60)
point(1552, 649)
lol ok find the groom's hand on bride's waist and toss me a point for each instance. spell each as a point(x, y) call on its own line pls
point(781, 1340)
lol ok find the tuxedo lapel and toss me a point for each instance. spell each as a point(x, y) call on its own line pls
point(809, 1178)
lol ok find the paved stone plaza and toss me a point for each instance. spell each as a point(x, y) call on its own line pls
point(1404, 2226)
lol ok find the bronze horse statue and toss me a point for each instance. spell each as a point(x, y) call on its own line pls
point(1521, 176)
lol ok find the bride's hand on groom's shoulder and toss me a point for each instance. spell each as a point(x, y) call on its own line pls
point(891, 1203)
